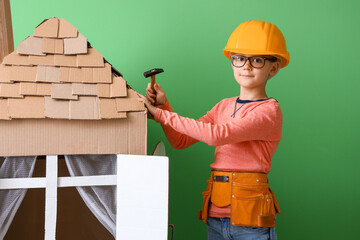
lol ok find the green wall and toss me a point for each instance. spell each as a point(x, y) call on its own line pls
point(315, 169)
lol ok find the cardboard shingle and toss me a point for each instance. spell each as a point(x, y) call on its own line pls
point(65, 61)
point(62, 91)
point(55, 46)
point(108, 109)
point(64, 74)
point(23, 73)
point(48, 74)
point(75, 45)
point(16, 59)
point(130, 103)
point(5, 73)
point(47, 60)
point(31, 46)
point(35, 89)
point(4, 113)
point(101, 75)
point(116, 89)
point(66, 29)
point(57, 108)
point(84, 89)
point(71, 75)
point(10, 90)
point(85, 108)
point(92, 59)
point(49, 28)
point(29, 107)
point(103, 90)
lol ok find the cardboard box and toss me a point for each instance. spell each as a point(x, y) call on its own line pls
point(59, 96)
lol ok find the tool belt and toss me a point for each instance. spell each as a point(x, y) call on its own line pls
point(248, 194)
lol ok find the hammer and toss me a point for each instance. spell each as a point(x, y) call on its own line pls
point(152, 73)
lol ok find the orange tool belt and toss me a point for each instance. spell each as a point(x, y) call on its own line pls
point(252, 201)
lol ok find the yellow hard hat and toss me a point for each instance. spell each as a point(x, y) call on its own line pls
point(258, 38)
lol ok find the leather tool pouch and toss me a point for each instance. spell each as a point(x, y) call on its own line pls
point(253, 204)
point(218, 192)
point(203, 213)
point(221, 190)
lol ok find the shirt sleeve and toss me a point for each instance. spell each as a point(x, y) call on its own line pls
point(262, 123)
point(177, 139)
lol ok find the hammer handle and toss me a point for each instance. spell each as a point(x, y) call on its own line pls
point(153, 82)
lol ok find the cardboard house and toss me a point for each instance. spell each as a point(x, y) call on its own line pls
point(58, 96)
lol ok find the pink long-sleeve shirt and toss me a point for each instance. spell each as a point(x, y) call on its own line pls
point(244, 142)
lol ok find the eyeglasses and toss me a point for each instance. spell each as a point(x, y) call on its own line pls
point(256, 62)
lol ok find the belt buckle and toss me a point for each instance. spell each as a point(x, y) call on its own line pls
point(221, 178)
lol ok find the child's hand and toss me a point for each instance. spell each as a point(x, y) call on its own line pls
point(151, 109)
point(156, 97)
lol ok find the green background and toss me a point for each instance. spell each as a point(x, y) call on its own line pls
point(315, 169)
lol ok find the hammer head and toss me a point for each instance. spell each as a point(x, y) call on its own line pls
point(153, 72)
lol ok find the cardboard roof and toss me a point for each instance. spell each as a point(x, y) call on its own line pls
point(55, 73)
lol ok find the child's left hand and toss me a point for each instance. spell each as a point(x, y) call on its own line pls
point(151, 109)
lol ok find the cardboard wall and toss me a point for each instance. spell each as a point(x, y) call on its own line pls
point(58, 137)
point(6, 32)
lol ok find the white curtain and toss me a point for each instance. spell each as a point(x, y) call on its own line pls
point(100, 200)
point(10, 200)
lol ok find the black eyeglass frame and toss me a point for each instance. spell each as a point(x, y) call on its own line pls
point(270, 59)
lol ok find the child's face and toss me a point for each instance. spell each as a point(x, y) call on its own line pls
point(252, 78)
